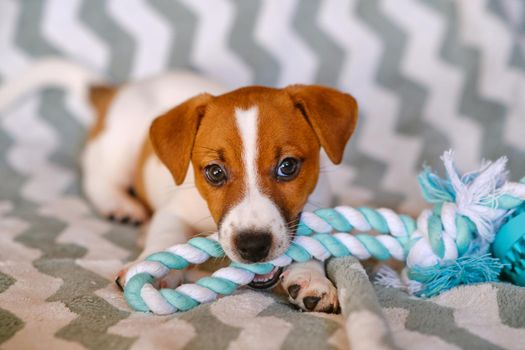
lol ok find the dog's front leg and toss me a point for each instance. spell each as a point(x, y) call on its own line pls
point(165, 230)
point(309, 288)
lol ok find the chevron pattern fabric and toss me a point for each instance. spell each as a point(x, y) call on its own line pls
point(429, 75)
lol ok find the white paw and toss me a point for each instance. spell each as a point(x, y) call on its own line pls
point(310, 290)
point(120, 207)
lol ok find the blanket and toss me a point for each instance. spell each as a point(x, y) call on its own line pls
point(58, 261)
point(429, 75)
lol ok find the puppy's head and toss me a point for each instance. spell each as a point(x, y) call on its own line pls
point(255, 153)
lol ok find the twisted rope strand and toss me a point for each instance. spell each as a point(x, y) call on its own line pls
point(443, 234)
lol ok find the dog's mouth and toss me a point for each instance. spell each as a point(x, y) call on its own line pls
point(270, 279)
point(267, 280)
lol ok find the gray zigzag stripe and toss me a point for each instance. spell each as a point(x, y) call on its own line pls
point(318, 328)
point(510, 299)
point(94, 14)
point(9, 323)
point(243, 43)
point(58, 261)
point(203, 320)
point(490, 115)
point(11, 181)
point(185, 23)
point(330, 55)
point(370, 171)
point(441, 324)
point(72, 134)
point(331, 59)
point(517, 58)
point(6, 281)
point(411, 94)
point(28, 32)
point(9, 187)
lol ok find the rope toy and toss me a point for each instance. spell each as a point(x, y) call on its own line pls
point(444, 247)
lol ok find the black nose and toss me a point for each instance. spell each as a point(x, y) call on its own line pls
point(253, 245)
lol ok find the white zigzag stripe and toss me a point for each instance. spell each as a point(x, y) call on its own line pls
point(363, 54)
point(150, 332)
point(16, 262)
point(52, 315)
point(83, 229)
point(252, 321)
point(62, 28)
point(152, 34)
point(342, 176)
point(298, 63)
point(444, 82)
point(497, 81)
point(47, 181)
point(12, 59)
point(210, 51)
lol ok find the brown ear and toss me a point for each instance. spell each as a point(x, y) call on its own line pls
point(331, 113)
point(173, 134)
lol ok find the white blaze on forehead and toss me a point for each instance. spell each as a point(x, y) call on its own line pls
point(255, 211)
point(247, 125)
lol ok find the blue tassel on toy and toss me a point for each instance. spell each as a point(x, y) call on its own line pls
point(465, 270)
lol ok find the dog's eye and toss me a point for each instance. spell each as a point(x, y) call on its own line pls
point(287, 169)
point(215, 174)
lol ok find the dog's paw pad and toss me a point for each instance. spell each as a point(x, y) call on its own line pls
point(121, 208)
point(132, 215)
point(311, 302)
point(312, 292)
point(293, 290)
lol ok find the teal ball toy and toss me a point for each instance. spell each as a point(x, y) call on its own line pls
point(509, 247)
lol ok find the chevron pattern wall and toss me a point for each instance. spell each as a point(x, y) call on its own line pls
point(429, 75)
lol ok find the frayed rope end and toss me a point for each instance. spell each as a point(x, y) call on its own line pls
point(465, 270)
point(387, 277)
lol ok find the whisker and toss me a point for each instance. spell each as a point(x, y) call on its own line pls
point(293, 221)
point(201, 220)
point(293, 224)
point(204, 233)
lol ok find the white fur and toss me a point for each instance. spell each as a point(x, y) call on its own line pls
point(255, 211)
point(108, 161)
point(310, 276)
point(49, 72)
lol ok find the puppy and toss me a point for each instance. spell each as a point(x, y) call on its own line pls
point(202, 159)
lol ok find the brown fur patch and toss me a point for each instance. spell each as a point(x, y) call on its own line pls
point(292, 122)
point(283, 132)
point(218, 141)
point(173, 134)
point(101, 97)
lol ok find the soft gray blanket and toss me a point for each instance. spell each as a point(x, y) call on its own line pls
point(429, 75)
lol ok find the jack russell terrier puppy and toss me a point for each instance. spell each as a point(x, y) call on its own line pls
point(243, 163)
